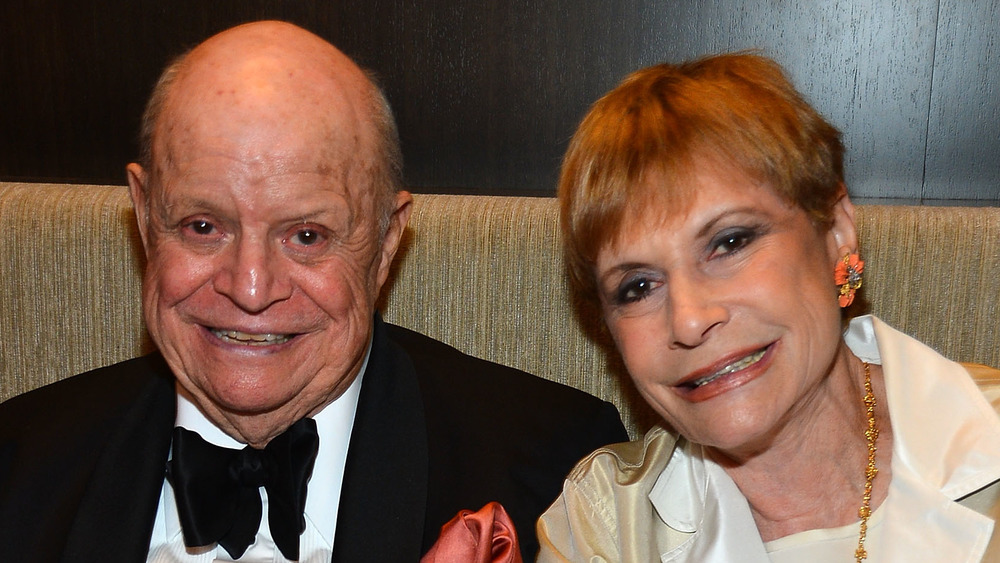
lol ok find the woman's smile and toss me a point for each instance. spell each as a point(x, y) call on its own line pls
point(730, 328)
point(711, 382)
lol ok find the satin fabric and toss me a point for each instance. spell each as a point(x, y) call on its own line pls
point(484, 536)
point(217, 489)
point(333, 423)
point(661, 500)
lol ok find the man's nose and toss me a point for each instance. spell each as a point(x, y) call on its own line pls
point(253, 276)
point(695, 310)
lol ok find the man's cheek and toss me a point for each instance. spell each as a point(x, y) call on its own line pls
point(178, 274)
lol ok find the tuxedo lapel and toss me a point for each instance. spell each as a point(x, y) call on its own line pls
point(381, 514)
point(115, 518)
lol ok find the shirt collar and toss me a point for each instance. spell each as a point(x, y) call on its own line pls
point(955, 449)
point(950, 454)
point(695, 495)
point(334, 425)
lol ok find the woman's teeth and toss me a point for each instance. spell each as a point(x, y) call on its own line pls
point(248, 339)
point(742, 363)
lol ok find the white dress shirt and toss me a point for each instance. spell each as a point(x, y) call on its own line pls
point(333, 424)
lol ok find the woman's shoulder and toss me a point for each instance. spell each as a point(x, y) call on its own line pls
point(609, 486)
point(985, 376)
point(627, 464)
point(987, 379)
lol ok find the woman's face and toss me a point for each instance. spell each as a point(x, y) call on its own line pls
point(725, 312)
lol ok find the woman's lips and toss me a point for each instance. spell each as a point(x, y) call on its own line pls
point(739, 364)
point(732, 374)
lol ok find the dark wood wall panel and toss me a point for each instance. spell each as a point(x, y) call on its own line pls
point(963, 146)
point(488, 93)
point(865, 65)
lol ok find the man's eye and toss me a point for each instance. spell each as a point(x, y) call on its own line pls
point(201, 227)
point(306, 237)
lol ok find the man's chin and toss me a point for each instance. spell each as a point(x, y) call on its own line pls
point(237, 394)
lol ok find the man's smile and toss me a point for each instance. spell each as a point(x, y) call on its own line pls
point(248, 339)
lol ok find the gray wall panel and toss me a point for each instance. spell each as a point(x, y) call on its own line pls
point(487, 94)
point(963, 148)
point(866, 66)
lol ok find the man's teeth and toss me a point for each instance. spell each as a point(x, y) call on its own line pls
point(250, 339)
point(742, 363)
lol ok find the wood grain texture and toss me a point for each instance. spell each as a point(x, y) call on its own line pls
point(488, 94)
point(963, 147)
point(866, 66)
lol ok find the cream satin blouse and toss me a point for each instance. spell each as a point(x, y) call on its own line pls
point(661, 499)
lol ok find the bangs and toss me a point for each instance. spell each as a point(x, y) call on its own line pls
point(736, 110)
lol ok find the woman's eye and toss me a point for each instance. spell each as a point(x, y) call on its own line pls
point(633, 290)
point(731, 241)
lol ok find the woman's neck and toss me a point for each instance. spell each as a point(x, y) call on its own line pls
point(811, 473)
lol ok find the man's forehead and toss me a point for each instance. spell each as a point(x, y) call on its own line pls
point(278, 39)
point(278, 106)
point(268, 72)
point(263, 87)
point(330, 199)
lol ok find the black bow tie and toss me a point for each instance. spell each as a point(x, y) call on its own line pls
point(217, 489)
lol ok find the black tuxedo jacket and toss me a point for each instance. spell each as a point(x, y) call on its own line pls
point(82, 461)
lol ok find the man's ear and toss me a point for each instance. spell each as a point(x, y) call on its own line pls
point(394, 234)
point(138, 191)
point(842, 238)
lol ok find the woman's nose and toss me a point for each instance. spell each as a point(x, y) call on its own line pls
point(695, 310)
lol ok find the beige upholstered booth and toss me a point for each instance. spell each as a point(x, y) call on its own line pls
point(481, 273)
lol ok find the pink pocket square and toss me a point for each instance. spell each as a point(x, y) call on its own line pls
point(484, 536)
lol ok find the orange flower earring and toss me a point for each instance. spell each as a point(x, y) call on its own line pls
point(847, 275)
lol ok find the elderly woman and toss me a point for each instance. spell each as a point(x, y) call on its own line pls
point(704, 210)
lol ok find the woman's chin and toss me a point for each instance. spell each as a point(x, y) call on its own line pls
point(733, 432)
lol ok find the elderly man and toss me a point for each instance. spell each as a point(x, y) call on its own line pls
point(268, 204)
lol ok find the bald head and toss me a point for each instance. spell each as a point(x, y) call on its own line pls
point(269, 213)
point(280, 80)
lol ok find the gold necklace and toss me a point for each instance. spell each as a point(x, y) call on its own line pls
point(871, 434)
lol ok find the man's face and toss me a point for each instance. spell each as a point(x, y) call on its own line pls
point(264, 256)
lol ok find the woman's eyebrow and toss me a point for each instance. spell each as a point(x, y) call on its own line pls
point(710, 225)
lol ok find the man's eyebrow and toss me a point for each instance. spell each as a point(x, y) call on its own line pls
point(319, 213)
point(170, 204)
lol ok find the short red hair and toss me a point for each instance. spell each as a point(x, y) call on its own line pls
point(738, 109)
